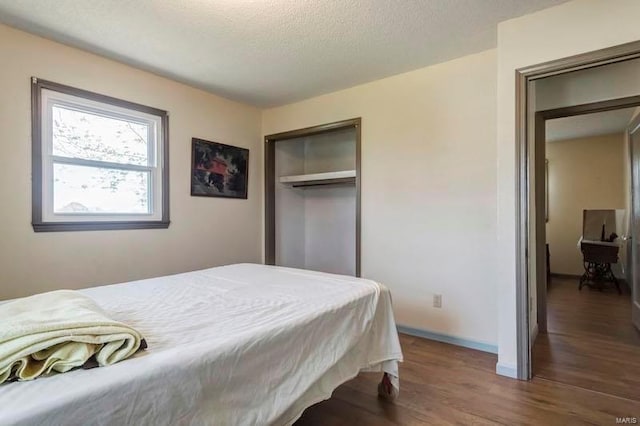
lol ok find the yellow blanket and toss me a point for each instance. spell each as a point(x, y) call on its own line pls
point(58, 331)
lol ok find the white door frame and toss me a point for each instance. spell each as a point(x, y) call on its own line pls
point(524, 163)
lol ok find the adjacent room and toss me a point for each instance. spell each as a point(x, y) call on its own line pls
point(285, 212)
point(589, 314)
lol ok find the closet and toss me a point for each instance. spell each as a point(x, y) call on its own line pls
point(312, 198)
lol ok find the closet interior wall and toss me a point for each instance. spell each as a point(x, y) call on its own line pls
point(316, 226)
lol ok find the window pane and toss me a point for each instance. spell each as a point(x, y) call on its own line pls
point(81, 189)
point(81, 134)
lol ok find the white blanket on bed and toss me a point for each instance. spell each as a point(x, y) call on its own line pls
point(236, 345)
point(58, 331)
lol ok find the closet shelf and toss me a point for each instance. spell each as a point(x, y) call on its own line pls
point(345, 177)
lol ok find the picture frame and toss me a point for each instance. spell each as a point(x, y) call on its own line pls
point(218, 170)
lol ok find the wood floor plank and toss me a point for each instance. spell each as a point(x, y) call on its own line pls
point(591, 342)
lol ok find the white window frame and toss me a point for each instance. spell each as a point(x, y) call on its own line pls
point(46, 95)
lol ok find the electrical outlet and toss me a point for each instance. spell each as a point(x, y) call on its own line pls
point(437, 301)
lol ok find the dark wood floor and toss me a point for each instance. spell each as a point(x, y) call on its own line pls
point(443, 384)
point(591, 342)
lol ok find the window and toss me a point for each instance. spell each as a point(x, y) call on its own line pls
point(98, 162)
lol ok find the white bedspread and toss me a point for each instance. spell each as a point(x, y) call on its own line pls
point(236, 345)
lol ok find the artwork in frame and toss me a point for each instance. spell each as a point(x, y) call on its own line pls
point(218, 170)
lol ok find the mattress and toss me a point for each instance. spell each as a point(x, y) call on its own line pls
point(235, 345)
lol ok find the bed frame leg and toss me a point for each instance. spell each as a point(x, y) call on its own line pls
point(386, 390)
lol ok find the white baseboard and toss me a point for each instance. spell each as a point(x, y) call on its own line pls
point(508, 370)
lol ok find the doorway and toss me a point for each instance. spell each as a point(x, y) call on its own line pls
point(531, 261)
point(588, 339)
point(312, 198)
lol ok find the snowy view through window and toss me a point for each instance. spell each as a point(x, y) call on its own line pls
point(101, 164)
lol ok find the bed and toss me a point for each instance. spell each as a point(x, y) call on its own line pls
point(241, 344)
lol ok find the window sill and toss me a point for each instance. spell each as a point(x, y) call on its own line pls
point(98, 226)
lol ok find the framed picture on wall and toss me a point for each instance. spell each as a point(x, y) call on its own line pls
point(218, 170)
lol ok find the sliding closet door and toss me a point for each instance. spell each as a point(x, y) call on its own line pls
point(330, 211)
point(289, 206)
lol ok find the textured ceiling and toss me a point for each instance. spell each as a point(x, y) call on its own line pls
point(580, 126)
point(271, 52)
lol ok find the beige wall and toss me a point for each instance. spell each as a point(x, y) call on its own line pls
point(586, 173)
point(204, 231)
point(428, 188)
point(572, 28)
